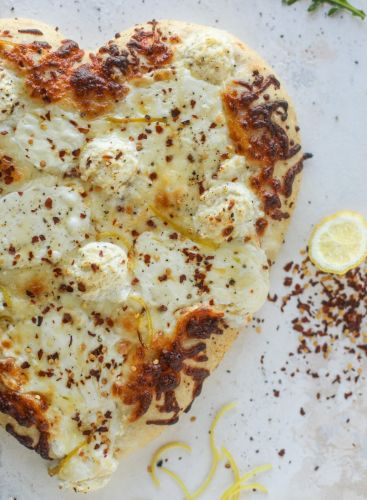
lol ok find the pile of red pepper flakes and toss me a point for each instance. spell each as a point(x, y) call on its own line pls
point(329, 307)
point(331, 313)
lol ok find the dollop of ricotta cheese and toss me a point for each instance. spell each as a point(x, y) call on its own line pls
point(109, 162)
point(101, 272)
point(227, 210)
point(209, 57)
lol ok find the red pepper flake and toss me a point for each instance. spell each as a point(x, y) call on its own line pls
point(281, 452)
point(331, 316)
point(227, 231)
point(175, 113)
point(48, 203)
point(151, 223)
point(363, 347)
point(67, 318)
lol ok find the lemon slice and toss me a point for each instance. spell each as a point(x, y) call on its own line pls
point(339, 242)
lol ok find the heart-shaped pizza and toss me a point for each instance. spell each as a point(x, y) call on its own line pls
point(145, 189)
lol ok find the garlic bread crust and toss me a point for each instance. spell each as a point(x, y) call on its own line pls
point(145, 191)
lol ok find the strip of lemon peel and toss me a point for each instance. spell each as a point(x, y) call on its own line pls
point(232, 462)
point(233, 491)
point(150, 119)
point(142, 302)
point(187, 233)
point(239, 485)
point(216, 454)
point(57, 469)
point(6, 295)
point(255, 471)
point(179, 481)
point(157, 455)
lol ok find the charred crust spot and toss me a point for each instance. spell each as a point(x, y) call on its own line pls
point(31, 31)
point(26, 441)
point(85, 80)
point(27, 411)
point(150, 45)
point(291, 174)
point(92, 86)
point(202, 327)
point(258, 129)
point(260, 225)
point(158, 371)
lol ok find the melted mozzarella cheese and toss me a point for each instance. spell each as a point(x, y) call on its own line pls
point(227, 210)
point(197, 136)
point(100, 270)
point(209, 57)
point(109, 162)
point(160, 268)
point(50, 139)
point(239, 280)
point(177, 274)
point(9, 93)
point(41, 223)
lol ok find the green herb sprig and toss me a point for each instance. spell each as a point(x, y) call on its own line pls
point(336, 6)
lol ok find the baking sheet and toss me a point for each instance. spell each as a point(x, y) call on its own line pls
point(323, 63)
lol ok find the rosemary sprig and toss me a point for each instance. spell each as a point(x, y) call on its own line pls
point(336, 6)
